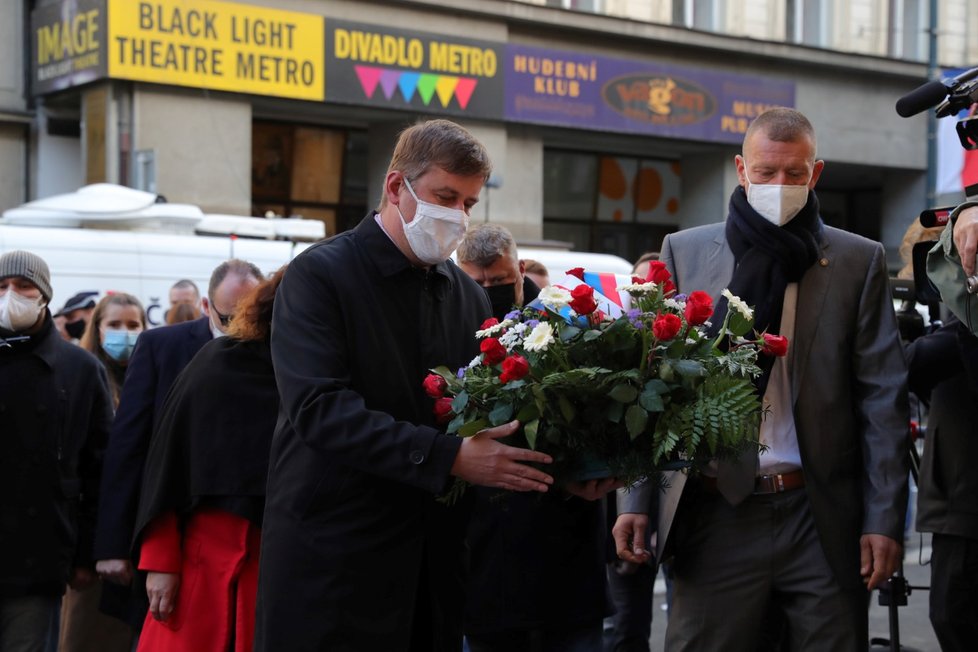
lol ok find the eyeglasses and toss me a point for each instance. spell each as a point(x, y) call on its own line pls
point(224, 319)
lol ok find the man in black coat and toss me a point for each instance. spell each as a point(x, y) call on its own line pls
point(536, 563)
point(55, 411)
point(356, 552)
point(944, 372)
point(160, 355)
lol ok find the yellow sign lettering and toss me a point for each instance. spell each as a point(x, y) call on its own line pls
point(68, 38)
point(462, 59)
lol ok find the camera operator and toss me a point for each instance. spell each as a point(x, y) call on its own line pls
point(966, 235)
point(944, 372)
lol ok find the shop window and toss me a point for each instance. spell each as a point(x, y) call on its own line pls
point(310, 172)
point(623, 205)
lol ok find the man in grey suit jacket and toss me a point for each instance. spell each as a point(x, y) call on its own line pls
point(814, 520)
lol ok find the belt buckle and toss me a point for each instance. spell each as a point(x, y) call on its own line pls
point(769, 484)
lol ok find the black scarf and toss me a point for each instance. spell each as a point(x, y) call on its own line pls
point(214, 435)
point(768, 257)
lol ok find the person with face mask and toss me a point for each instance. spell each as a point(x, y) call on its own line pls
point(160, 354)
point(488, 255)
point(800, 532)
point(77, 313)
point(55, 411)
point(116, 322)
point(536, 563)
point(357, 552)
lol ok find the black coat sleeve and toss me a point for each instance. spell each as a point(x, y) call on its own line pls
point(126, 454)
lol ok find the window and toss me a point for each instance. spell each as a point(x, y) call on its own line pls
point(309, 171)
point(698, 14)
point(809, 21)
point(622, 205)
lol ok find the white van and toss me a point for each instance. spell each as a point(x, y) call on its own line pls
point(124, 241)
point(111, 238)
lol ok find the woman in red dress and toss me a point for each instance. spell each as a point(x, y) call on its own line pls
point(200, 510)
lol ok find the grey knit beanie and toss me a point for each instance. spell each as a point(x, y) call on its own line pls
point(30, 266)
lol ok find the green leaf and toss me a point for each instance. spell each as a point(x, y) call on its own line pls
point(623, 393)
point(651, 400)
point(615, 411)
point(501, 414)
point(568, 332)
point(657, 386)
point(472, 427)
point(737, 324)
point(690, 368)
point(528, 412)
point(455, 424)
point(591, 335)
point(530, 432)
point(635, 420)
point(444, 372)
point(566, 408)
point(459, 402)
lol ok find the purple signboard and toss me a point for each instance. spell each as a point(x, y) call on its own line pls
point(570, 89)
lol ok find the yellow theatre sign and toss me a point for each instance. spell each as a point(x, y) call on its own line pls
point(203, 44)
point(217, 45)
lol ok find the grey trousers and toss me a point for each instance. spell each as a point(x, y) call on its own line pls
point(28, 624)
point(735, 566)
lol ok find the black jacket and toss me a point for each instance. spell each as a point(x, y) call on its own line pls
point(160, 355)
point(55, 412)
point(944, 371)
point(352, 531)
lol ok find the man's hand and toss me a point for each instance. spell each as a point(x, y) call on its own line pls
point(82, 578)
point(629, 534)
point(879, 557)
point(117, 571)
point(593, 489)
point(482, 460)
point(162, 590)
point(966, 238)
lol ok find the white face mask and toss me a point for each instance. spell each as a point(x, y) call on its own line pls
point(18, 313)
point(435, 232)
point(777, 204)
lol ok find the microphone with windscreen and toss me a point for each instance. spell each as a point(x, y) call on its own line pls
point(959, 93)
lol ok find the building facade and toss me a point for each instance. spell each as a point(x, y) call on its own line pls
point(610, 122)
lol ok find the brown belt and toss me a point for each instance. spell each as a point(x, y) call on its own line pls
point(774, 483)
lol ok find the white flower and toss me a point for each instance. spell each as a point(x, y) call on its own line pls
point(540, 338)
point(738, 304)
point(554, 297)
point(476, 361)
point(492, 330)
point(637, 289)
point(513, 336)
point(678, 306)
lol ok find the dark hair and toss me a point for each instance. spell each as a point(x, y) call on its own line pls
point(253, 317)
point(644, 258)
point(233, 266)
point(438, 143)
point(185, 283)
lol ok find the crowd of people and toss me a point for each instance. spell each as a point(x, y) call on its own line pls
point(263, 472)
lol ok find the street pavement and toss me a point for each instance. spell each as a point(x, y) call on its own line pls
point(915, 630)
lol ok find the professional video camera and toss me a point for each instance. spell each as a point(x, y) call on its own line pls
point(950, 96)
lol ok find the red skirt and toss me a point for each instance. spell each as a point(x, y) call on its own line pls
point(217, 557)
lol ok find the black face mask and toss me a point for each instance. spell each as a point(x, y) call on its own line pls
point(75, 329)
point(502, 298)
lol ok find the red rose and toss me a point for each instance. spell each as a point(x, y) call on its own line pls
point(598, 316)
point(776, 345)
point(577, 271)
point(489, 323)
point(658, 272)
point(668, 288)
point(435, 386)
point(582, 301)
point(514, 368)
point(492, 351)
point(666, 327)
point(699, 308)
point(443, 410)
